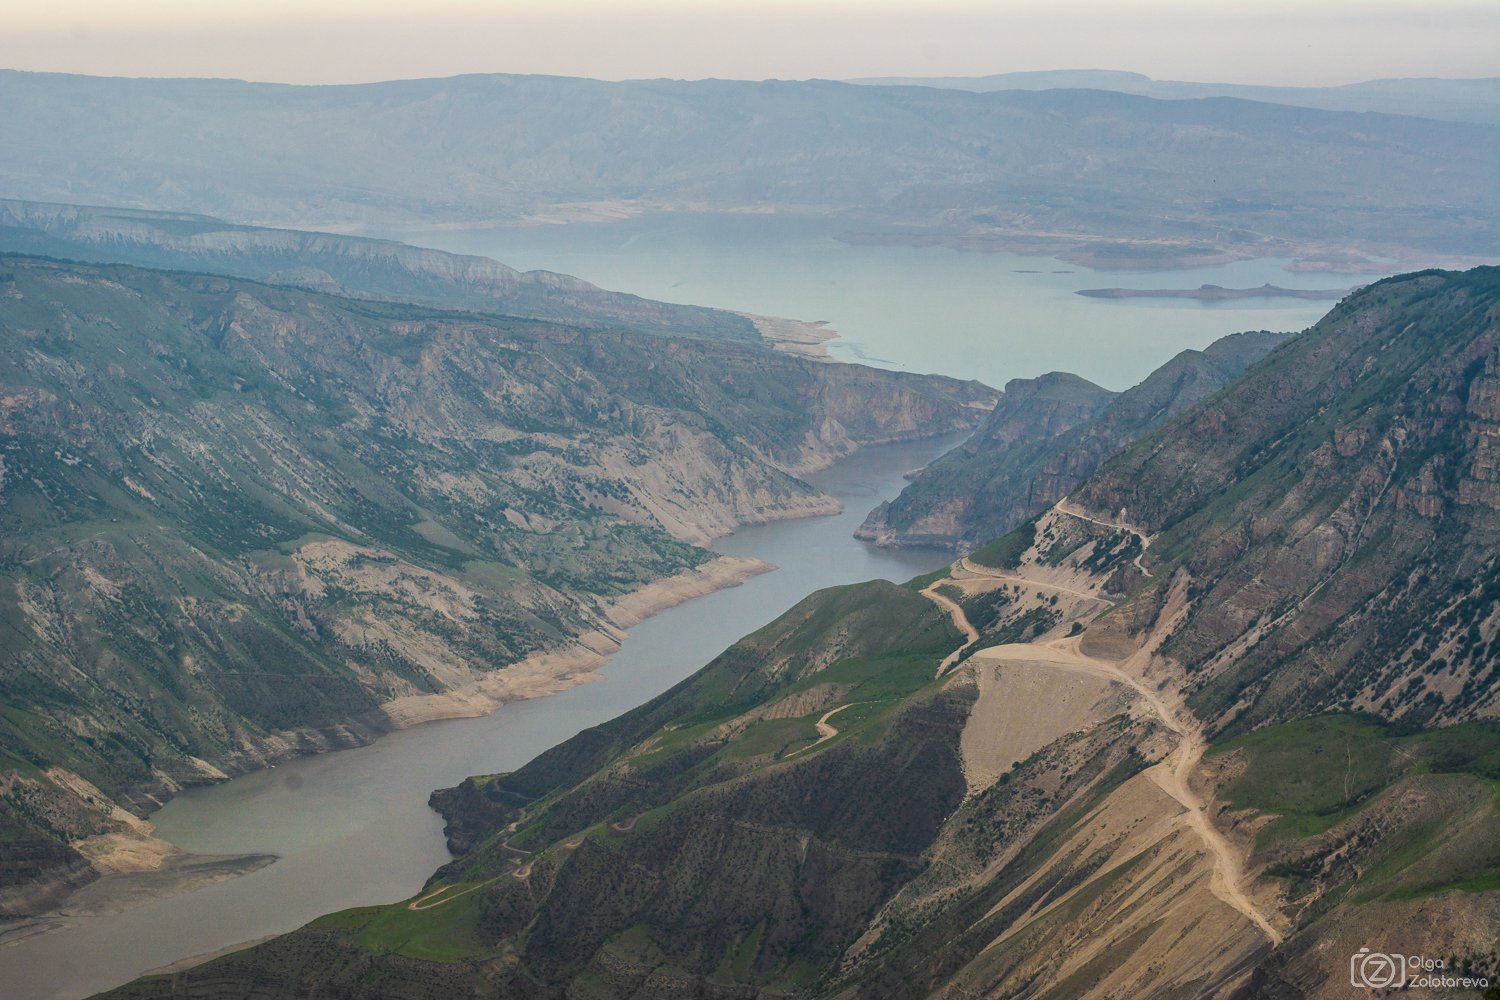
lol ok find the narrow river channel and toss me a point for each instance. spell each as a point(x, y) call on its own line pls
point(353, 828)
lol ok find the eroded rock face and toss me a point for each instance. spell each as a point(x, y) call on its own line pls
point(1342, 558)
point(1481, 483)
point(1045, 437)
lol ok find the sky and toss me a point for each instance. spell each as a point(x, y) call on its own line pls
point(1306, 43)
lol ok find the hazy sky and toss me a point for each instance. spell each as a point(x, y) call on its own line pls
point(1311, 42)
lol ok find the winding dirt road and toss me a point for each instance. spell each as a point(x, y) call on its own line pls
point(972, 571)
point(825, 731)
point(960, 621)
point(1171, 775)
point(1062, 508)
point(428, 901)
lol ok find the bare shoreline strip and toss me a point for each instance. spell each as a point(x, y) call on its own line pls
point(550, 672)
point(138, 866)
point(795, 336)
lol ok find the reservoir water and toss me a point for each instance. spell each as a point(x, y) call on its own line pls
point(989, 316)
point(353, 828)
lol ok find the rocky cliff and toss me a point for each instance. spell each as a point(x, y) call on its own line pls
point(1343, 555)
point(1044, 437)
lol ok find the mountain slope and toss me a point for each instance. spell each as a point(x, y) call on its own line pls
point(239, 522)
point(1341, 556)
point(342, 265)
point(1111, 178)
point(1044, 437)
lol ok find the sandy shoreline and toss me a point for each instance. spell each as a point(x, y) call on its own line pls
point(136, 867)
point(548, 673)
point(795, 336)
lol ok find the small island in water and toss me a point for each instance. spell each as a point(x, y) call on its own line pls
point(1216, 293)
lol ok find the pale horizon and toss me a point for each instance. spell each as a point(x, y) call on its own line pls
point(1331, 43)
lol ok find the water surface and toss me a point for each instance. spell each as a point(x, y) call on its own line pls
point(990, 316)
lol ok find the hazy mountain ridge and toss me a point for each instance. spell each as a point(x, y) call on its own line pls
point(824, 811)
point(1045, 437)
point(344, 265)
point(242, 521)
point(1476, 100)
point(1111, 177)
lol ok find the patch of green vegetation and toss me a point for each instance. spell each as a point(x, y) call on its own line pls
point(739, 962)
point(444, 933)
point(636, 945)
point(773, 737)
point(873, 678)
point(1313, 774)
point(927, 579)
point(440, 536)
point(1005, 552)
point(355, 919)
point(1317, 769)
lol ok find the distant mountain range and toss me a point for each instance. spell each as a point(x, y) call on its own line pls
point(344, 265)
point(1475, 100)
point(1111, 179)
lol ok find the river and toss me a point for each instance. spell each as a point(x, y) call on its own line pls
point(353, 828)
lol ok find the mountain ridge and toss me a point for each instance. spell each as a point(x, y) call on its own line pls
point(1071, 172)
point(1024, 458)
point(360, 267)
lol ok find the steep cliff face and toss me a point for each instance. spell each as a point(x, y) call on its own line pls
point(1044, 437)
point(241, 522)
point(1341, 556)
